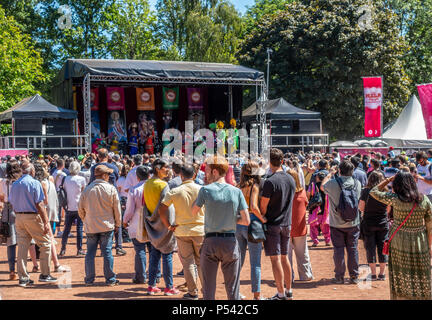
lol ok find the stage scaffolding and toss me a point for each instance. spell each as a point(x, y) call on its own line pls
point(260, 89)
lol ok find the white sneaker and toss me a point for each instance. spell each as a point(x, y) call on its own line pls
point(61, 268)
point(242, 297)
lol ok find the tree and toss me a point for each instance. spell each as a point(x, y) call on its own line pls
point(131, 25)
point(214, 36)
point(414, 18)
point(172, 17)
point(86, 37)
point(20, 64)
point(260, 9)
point(320, 54)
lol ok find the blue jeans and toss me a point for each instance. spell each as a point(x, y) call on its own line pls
point(155, 256)
point(106, 242)
point(149, 248)
point(11, 255)
point(140, 260)
point(255, 250)
point(69, 219)
point(345, 238)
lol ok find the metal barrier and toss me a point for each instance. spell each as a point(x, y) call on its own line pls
point(45, 143)
point(300, 141)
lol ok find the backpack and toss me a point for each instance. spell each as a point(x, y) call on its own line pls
point(348, 202)
point(62, 195)
point(316, 200)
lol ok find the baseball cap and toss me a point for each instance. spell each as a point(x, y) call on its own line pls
point(102, 169)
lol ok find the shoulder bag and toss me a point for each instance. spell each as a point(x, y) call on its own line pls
point(256, 229)
point(386, 246)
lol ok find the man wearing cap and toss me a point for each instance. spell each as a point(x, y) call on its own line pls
point(99, 209)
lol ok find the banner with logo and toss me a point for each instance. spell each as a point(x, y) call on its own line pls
point(373, 94)
point(145, 99)
point(94, 99)
point(195, 98)
point(425, 94)
point(170, 98)
point(115, 98)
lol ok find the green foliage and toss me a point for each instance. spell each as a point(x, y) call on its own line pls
point(320, 55)
point(131, 25)
point(261, 8)
point(213, 36)
point(20, 63)
point(414, 18)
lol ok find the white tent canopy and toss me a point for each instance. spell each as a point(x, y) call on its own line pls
point(409, 129)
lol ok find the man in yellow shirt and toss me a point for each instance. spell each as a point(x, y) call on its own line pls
point(188, 228)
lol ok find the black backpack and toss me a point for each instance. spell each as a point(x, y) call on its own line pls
point(348, 202)
point(62, 195)
point(316, 200)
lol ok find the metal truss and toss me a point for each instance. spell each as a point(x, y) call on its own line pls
point(263, 137)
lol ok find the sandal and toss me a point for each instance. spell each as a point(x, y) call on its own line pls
point(13, 276)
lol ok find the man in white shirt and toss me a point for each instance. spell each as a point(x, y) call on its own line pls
point(74, 185)
point(131, 220)
point(424, 175)
point(131, 178)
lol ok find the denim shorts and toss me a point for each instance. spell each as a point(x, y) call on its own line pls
point(277, 240)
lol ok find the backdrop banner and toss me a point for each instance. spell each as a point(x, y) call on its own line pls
point(115, 98)
point(145, 99)
point(195, 98)
point(373, 95)
point(425, 94)
point(94, 99)
point(170, 98)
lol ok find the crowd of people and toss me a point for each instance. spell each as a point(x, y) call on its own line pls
point(211, 213)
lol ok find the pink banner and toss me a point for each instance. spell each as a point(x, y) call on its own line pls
point(373, 95)
point(13, 152)
point(195, 98)
point(425, 94)
point(94, 99)
point(363, 151)
point(115, 98)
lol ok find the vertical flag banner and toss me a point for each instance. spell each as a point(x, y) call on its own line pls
point(373, 94)
point(95, 125)
point(195, 98)
point(145, 99)
point(170, 98)
point(94, 99)
point(115, 98)
point(425, 94)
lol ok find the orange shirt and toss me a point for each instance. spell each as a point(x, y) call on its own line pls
point(298, 226)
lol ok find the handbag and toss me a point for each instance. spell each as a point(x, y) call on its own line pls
point(386, 246)
point(256, 229)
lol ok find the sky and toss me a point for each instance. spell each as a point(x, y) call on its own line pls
point(239, 4)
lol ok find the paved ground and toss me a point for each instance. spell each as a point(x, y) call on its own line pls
point(71, 285)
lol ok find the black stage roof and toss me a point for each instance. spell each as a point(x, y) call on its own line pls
point(281, 109)
point(79, 68)
point(36, 107)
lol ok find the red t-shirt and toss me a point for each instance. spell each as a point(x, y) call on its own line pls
point(298, 226)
